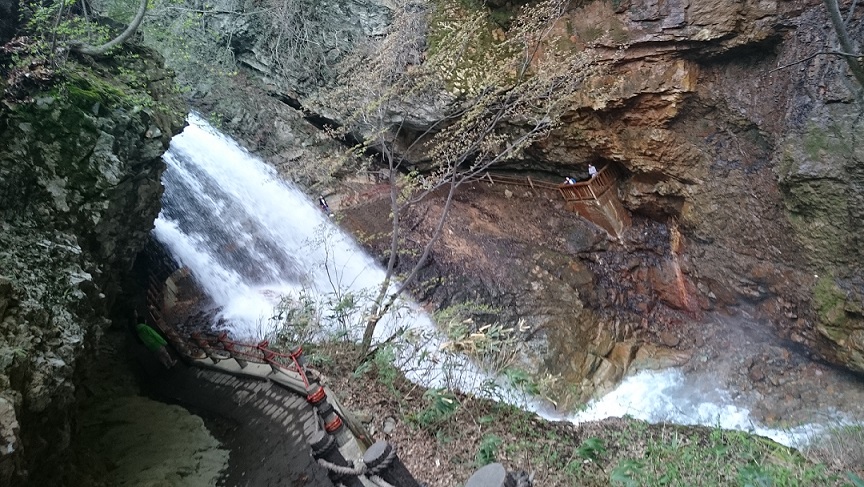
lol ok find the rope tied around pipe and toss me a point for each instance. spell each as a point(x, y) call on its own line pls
point(343, 470)
point(360, 468)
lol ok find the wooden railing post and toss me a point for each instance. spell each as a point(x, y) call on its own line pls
point(382, 459)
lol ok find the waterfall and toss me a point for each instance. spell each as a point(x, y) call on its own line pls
point(249, 238)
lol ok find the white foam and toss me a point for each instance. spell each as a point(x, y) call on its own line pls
point(667, 396)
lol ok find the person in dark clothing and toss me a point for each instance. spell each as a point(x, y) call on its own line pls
point(324, 206)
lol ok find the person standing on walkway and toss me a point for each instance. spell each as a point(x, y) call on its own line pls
point(592, 171)
point(155, 343)
point(324, 206)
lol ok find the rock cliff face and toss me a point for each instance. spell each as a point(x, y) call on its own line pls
point(758, 164)
point(742, 167)
point(80, 188)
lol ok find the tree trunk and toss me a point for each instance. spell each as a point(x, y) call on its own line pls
point(125, 35)
point(845, 42)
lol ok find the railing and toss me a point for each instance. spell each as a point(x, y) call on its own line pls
point(591, 189)
point(495, 178)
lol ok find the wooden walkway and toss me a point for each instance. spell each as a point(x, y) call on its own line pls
point(590, 199)
point(591, 189)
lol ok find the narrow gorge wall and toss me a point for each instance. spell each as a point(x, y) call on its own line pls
point(758, 167)
point(80, 168)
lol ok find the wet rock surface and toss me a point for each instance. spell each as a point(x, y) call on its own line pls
point(124, 438)
point(598, 309)
point(778, 381)
point(79, 190)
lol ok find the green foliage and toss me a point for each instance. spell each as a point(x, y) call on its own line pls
point(441, 405)
point(754, 476)
point(626, 473)
point(53, 30)
point(522, 381)
point(382, 362)
point(621, 452)
point(492, 345)
point(488, 451)
point(296, 319)
point(591, 449)
point(463, 311)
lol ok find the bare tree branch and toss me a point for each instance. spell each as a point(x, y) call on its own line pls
point(501, 98)
point(851, 13)
point(120, 39)
point(822, 53)
point(56, 24)
point(845, 42)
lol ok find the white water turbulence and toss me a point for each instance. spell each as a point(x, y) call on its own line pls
point(249, 238)
point(670, 396)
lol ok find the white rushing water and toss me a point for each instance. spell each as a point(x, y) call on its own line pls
point(249, 238)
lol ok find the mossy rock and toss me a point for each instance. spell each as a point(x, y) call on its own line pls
point(85, 91)
point(829, 302)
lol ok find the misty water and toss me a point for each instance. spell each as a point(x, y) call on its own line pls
point(248, 237)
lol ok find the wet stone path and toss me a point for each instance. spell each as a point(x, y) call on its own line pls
point(260, 423)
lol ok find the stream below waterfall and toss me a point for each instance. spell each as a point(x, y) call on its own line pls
point(248, 238)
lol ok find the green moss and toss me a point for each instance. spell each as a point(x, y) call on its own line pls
point(815, 141)
point(829, 301)
point(84, 91)
point(82, 97)
point(825, 142)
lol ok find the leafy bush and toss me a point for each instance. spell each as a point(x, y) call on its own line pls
point(441, 406)
point(488, 451)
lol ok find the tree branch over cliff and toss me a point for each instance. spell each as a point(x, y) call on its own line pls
point(120, 39)
point(852, 59)
point(822, 53)
point(492, 96)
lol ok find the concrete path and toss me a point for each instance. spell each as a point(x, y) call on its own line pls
point(261, 424)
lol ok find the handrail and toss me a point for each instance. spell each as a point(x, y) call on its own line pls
point(497, 178)
point(591, 189)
